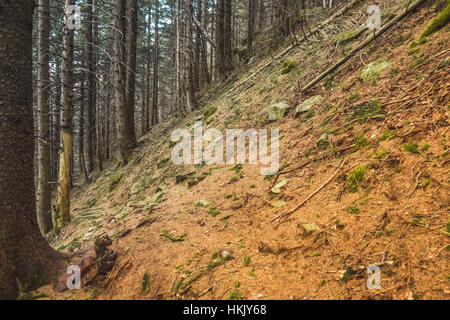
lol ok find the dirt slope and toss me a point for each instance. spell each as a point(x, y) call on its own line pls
point(388, 205)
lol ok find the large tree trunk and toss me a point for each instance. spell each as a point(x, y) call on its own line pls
point(149, 63)
point(220, 63)
point(90, 123)
point(81, 159)
point(44, 213)
point(206, 80)
point(197, 48)
point(155, 115)
point(251, 24)
point(126, 142)
point(62, 214)
point(190, 100)
point(131, 62)
point(24, 253)
point(228, 38)
point(177, 55)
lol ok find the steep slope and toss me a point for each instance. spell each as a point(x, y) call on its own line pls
point(211, 236)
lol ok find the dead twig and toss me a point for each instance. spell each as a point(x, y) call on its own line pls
point(286, 214)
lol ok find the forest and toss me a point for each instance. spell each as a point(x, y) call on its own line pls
point(224, 149)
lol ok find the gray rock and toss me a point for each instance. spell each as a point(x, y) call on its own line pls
point(277, 111)
point(307, 104)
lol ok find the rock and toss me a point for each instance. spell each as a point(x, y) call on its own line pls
point(277, 188)
point(279, 203)
point(309, 227)
point(370, 72)
point(202, 203)
point(323, 142)
point(307, 104)
point(183, 177)
point(277, 111)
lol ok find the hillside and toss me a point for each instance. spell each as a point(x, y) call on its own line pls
point(208, 231)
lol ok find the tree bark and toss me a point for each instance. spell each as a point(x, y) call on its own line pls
point(228, 38)
point(220, 63)
point(90, 123)
point(25, 256)
point(204, 52)
point(131, 62)
point(44, 213)
point(81, 159)
point(251, 24)
point(126, 143)
point(62, 214)
point(155, 115)
point(190, 99)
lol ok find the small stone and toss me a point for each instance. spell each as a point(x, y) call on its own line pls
point(309, 227)
point(277, 111)
point(371, 71)
point(277, 188)
point(307, 104)
point(323, 141)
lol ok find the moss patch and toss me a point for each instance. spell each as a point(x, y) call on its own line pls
point(437, 23)
point(356, 176)
point(115, 181)
point(370, 72)
point(349, 35)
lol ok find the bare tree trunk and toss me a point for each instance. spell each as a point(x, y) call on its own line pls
point(220, 50)
point(204, 52)
point(149, 63)
point(62, 214)
point(251, 24)
point(125, 136)
point(155, 118)
point(228, 38)
point(24, 253)
point(197, 48)
point(44, 213)
point(90, 123)
point(82, 160)
point(177, 54)
point(190, 99)
point(131, 62)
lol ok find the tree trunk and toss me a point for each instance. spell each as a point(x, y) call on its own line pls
point(197, 49)
point(220, 64)
point(155, 116)
point(204, 53)
point(149, 63)
point(126, 143)
point(90, 123)
point(251, 24)
point(131, 62)
point(44, 164)
point(62, 214)
point(177, 55)
point(81, 159)
point(190, 100)
point(25, 256)
point(228, 38)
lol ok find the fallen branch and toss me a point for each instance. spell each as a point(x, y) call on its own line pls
point(362, 45)
point(286, 214)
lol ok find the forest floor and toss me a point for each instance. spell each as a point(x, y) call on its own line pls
point(211, 236)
